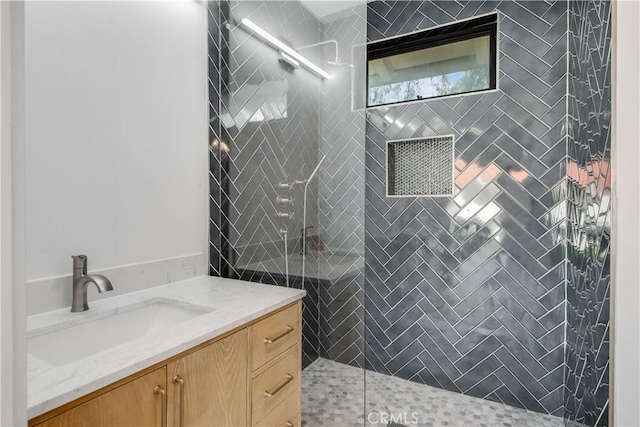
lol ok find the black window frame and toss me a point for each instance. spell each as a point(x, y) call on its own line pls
point(439, 36)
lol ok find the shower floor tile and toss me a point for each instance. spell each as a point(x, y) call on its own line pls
point(333, 396)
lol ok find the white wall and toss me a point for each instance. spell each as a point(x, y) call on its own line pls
point(117, 119)
point(13, 382)
point(626, 255)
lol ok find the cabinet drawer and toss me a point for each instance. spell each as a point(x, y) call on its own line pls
point(283, 415)
point(275, 334)
point(275, 385)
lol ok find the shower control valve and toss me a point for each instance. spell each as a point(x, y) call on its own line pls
point(285, 200)
point(284, 215)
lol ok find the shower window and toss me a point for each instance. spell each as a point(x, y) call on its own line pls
point(450, 60)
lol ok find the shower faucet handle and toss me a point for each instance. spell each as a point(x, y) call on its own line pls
point(285, 200)
point(284, 215)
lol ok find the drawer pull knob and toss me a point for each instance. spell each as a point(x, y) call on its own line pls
point(280, 387)
point(279, 336)
point(289, 424)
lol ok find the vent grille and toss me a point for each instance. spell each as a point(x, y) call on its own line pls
point(420, 167)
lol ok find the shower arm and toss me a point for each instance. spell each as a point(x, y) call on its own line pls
point(335, 43)
point(304, 218)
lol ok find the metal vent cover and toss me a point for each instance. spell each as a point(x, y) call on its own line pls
point(420, 166)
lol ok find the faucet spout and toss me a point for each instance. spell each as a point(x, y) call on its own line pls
point(80, 286)
point(81, 282)
point(102, 283)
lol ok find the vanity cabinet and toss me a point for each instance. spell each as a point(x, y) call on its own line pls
point(248, 377)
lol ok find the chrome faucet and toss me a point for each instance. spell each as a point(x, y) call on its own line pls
point(81, 281)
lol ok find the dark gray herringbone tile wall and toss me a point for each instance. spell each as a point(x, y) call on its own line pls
point(263, 147)
point(213, 56)
point(269, 118)
point(589, 212)
point(263, 131)
point(341, 192)
point(467, 292)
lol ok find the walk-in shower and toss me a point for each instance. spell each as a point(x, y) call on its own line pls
point(478, 294)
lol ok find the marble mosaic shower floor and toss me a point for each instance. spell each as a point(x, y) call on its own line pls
point(333, 396)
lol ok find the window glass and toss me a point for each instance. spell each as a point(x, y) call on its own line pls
point(446, 69)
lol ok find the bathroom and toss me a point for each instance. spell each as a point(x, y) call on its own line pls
point(319, 213)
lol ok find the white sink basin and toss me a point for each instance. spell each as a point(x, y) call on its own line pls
point(98, 332)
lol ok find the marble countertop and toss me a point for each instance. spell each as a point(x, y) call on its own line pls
point(233, 303)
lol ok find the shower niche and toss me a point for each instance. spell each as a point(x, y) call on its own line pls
point(420, 166)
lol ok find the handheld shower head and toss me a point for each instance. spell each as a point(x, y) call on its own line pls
point(315, 171)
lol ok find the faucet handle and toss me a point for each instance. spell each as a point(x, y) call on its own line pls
point(80, 262)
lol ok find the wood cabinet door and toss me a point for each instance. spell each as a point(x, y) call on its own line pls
point(214, 381)
point(131, 404)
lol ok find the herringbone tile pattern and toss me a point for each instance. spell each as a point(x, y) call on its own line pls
point(267, 119)
point(213, 56)
point(589, 212)
point(467, 292)
point(341, 193)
